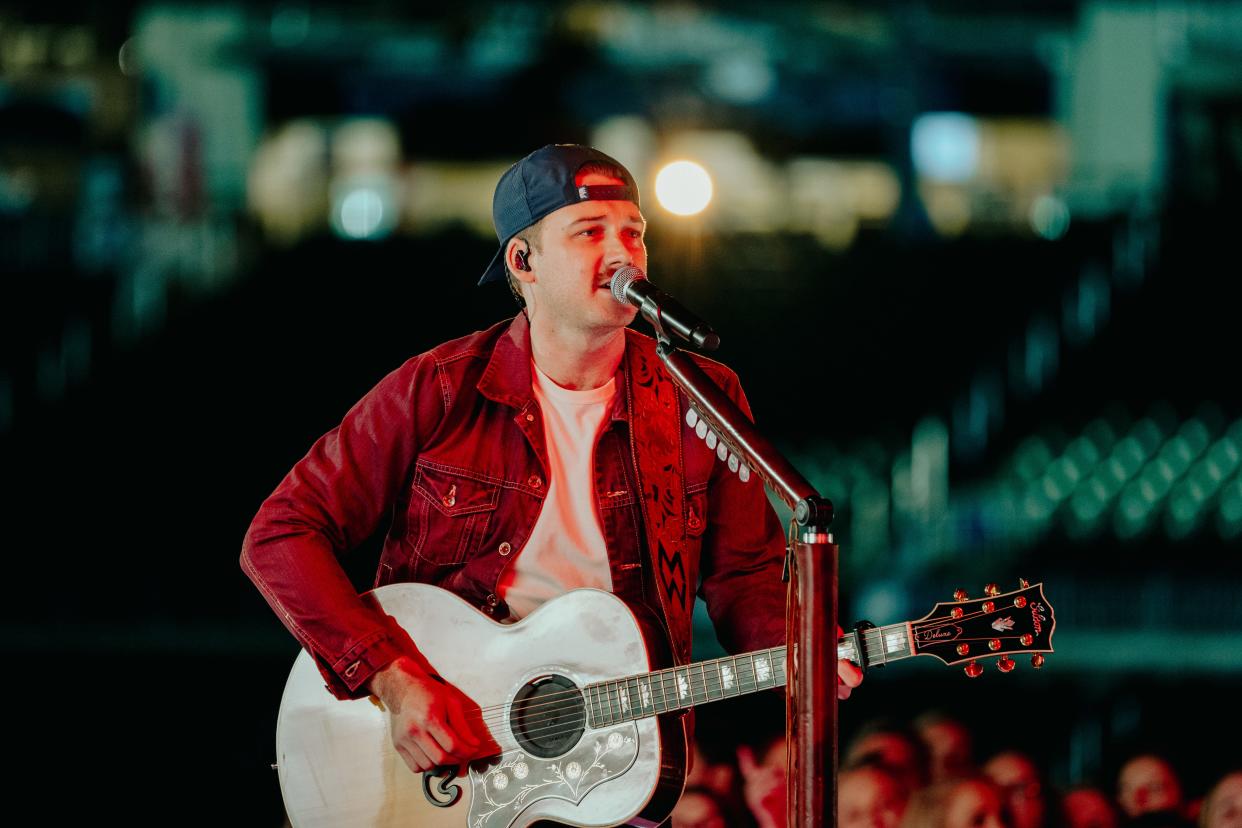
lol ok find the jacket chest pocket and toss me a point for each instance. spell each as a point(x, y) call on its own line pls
point(449, 514)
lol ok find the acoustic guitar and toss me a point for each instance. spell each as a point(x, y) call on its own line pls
point(587, 727)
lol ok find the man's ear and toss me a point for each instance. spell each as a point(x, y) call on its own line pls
point(517, 257)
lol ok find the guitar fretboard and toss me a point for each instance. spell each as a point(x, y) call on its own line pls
point(676, 688)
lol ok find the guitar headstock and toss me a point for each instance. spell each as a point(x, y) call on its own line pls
point(997, 624)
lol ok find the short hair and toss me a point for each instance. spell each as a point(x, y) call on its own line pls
point(532, 234)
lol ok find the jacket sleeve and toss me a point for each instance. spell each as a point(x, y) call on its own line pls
point(743, 554)
point(331, 501)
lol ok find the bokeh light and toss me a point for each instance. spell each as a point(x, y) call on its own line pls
point(683, 188)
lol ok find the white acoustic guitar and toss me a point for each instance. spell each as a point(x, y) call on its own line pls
point(570, 696)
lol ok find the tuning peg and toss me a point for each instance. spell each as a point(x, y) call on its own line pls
point(1005, 664)
point(743, 472)
point(994, 644)
point(701, 429)
point(960, 595)
point(710, 439)
point(1027, 639)
point(973, 669)
point(722, 451)
point(1037, 660)
point(1019, 602)
point(1023, 583)
point(692, 417)
point(989, 606)
point(733, 462)
point(991, 590)
point(956, 612)
point(963, 649)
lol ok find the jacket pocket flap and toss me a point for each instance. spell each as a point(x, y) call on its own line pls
point(453, 493)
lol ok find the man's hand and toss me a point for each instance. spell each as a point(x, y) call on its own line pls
point(433, 723)
point(848, 676)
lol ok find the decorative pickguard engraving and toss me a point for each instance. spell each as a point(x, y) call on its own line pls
point(502, 791)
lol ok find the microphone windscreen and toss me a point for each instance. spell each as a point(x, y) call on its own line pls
point(622, 279)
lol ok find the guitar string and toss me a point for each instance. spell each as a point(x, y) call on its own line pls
point(495, 713)
point(607, 700)
point(776, 653)
point(627, 712)
point(575, 723)
point(710, 683)
point(622, 690)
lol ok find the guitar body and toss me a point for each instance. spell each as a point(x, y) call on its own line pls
point(336, 762)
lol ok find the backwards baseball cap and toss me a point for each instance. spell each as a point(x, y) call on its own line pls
point(543, 182)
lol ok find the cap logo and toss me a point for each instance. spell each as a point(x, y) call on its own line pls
point(605, 192)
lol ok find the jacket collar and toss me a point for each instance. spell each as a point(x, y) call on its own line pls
point(507, 380)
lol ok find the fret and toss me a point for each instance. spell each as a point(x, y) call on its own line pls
point(627, 699)
point(763, 670)
point(644, 695)
point(685, 696)
point(702, 680)
point(664, 708)
point(593, 706)
point(636, 698)
point(721, 669)
point(614, 706)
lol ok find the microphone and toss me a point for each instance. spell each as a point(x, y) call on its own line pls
point(630, 286)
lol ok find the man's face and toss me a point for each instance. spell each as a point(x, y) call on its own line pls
point(579, 248)
point(1147, 783)
point(1018, 779)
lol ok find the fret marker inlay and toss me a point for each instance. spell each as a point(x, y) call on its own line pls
point(893, 641)
point(683, 689)
point(761, 669)
point(726, 677)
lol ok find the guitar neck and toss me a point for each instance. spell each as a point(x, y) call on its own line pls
point(678, 688)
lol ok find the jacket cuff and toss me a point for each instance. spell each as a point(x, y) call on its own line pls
point(347, 677)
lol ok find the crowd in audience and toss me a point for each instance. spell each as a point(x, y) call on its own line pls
point(926, 774)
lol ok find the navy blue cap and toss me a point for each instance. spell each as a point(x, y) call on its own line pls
point(541, 183)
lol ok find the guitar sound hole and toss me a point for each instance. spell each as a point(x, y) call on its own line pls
point(548, 716)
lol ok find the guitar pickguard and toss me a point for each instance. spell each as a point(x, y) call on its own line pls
point(502, 791)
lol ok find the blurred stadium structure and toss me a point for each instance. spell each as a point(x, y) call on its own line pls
point(971, 260)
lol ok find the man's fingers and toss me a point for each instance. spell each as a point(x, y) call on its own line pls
point(463, 724)
point(442, 742)
point(848, 674)
point(415, 759)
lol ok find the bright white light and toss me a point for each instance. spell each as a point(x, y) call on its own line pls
point(684, 188)
point(361, 214)
point(945, 146)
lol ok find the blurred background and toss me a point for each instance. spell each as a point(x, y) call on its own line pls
point(974, 261)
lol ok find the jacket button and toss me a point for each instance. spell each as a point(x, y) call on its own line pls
point(449, 499)
point(533, 481)
point(492, 600)
point(530, 418)
point(505, 548)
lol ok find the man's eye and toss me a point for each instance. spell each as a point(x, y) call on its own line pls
point(590, 231)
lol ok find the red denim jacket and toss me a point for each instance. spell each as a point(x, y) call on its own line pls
point(450, 449)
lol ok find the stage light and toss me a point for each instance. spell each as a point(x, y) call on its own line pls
point(945, 146)
point(683, 188)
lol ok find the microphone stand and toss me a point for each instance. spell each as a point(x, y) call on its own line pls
point(811, 623)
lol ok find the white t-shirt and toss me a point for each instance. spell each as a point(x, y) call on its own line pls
point(566, 548)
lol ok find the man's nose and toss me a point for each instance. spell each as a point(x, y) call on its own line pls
point(617, 253)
